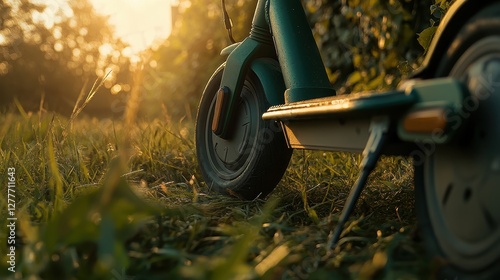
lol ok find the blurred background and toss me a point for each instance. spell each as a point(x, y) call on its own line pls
point(165, 50)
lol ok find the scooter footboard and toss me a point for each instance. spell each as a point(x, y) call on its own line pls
point(418, 111)
point(328, 134)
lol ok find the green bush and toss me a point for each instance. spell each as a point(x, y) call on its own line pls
point(370, 45)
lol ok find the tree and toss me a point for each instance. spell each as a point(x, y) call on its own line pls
point(192, 52)
point(51, 59)
point(16, 25)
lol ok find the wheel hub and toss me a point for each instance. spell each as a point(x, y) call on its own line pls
point(229, 155)
point(230, 150)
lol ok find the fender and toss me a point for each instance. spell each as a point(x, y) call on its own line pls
point(229, 49)
point(269, 73)
point(458, 14)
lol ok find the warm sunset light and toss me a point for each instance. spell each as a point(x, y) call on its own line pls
point(140, 23)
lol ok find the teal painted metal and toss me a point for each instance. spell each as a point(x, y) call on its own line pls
point(258, 44)
point(269, 73)
point(229, 49)
point(303, 70)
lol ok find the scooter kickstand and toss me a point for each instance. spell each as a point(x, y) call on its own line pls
point(378, 134)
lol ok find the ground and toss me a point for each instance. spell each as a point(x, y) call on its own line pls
point(125, 200)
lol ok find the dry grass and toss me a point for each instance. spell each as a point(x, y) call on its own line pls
point(105, 200)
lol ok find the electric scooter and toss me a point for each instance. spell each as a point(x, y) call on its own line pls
point(273, 95)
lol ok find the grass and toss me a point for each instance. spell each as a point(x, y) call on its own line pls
point(122, 200)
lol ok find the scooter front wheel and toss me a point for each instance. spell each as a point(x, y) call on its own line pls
point(252, 160)
point(458, 185)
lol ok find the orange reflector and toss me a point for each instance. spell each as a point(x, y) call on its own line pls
point(425, 121)
point(219, 106)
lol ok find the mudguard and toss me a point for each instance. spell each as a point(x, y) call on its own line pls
point(269, 73)
point(455, 18)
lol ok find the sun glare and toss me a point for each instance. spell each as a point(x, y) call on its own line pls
point(140, 23)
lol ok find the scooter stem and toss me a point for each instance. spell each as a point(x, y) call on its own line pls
point(303, 70)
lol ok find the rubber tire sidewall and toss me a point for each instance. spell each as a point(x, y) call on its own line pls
point(476, 29)
point(267, 162)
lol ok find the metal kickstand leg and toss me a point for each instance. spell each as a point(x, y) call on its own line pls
point(378, 134)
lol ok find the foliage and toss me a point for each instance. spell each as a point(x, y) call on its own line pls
point(50, 53)
point(372, 45)
point(191, 53)
point(438, 10)
point(368, 45)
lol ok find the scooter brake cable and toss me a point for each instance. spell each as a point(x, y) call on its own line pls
point(227, 22)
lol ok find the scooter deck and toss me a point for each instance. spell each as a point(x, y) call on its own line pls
point(342, 123)
point(361, 104)
point(339, 123)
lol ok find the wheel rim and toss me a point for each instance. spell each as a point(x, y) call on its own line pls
point(462, 181)
point(229, 157)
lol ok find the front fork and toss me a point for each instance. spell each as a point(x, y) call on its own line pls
point(280, 30)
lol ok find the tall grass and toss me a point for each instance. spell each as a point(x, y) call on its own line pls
point(116, 199)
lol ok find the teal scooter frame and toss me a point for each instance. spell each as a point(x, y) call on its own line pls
point(273, 94)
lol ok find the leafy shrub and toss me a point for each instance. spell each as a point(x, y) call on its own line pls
point(370, 45)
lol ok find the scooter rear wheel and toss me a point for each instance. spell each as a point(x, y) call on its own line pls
point(253, 159)
point(458, 185)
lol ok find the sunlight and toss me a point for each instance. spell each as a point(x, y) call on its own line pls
point(50, 15)
point(135, 3)
point(140, 23)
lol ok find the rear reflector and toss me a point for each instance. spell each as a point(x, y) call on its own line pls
point(425, 121)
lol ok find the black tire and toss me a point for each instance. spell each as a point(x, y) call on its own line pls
point(253, 160)
point(458, 185)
